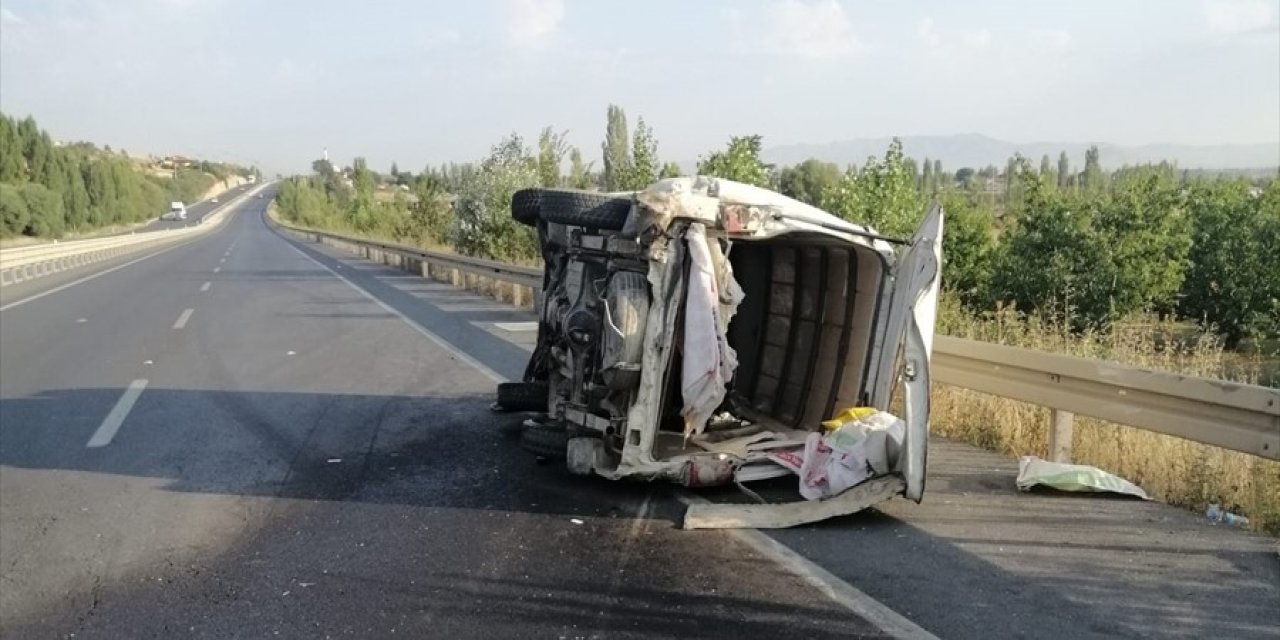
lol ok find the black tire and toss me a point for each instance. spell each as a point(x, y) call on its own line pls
point(547, 441)
point(522, 396)
point(525, 205)
point(584, 209)
point(627, 299)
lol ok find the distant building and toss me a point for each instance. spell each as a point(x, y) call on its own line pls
point(171, 162)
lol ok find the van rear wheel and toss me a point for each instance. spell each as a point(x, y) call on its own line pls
point(522, 396)
point(584, 209)
point(545, 440)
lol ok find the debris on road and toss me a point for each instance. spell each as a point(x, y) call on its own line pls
point(705, 515)
point(842, 470)
point(575, 520)
point(1217, 514)
point(1033, 471)
point(333, 460)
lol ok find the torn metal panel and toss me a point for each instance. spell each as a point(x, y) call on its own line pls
point(704, 515)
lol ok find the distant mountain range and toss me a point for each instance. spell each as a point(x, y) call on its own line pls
point(974, 150)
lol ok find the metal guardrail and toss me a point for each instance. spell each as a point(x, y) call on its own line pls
point(530, 277)
point(24, 263)
point(1231, 415)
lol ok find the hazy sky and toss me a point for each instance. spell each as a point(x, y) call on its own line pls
point(418, 82)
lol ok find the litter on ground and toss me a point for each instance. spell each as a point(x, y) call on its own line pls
point(1033, 471)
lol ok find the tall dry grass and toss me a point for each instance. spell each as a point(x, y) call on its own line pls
point(1173, 470)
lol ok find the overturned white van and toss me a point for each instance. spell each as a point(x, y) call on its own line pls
point(692, 330)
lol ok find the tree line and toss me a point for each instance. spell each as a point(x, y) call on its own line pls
point(49, 189)
point(1082, 246)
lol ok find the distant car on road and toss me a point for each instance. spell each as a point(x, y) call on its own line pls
point(259, 195)
point(177, 211)
point(214, 200)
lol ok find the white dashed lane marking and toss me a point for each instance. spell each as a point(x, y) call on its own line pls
point(182, 319)
point(111, 424)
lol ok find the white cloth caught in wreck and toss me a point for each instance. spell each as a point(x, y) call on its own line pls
point(712, 299)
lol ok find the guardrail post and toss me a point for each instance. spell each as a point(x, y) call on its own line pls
point(517, 295)
point(1061, 426)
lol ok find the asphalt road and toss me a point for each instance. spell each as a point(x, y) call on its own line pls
point(226, 439)
point(196, 211)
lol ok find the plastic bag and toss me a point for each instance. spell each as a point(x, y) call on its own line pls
point(849, 415)
point(856, 451)
point(1033, 471)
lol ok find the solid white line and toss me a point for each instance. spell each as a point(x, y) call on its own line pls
point(205, 287)
point(217, 269)
point(87, 278)
point(890, 622)
point(182, 319)
point(493, 375)
point(111, 424)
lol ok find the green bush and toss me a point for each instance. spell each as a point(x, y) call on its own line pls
point(1233, 281)
point(968, 248)
point(45, 208)
point(1092, 257)
point(14, 216)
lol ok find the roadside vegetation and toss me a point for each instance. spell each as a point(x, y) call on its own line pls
point(48, 189)
point(1148, 265)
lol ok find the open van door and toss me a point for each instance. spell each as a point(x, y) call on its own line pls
point(915, 300)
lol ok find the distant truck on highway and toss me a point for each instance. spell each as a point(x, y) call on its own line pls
point(177, 211)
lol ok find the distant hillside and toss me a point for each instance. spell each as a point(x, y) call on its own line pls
point(974, 150)
point(48, 189)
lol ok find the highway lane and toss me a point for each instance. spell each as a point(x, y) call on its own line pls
point(197, 211)
point(226, 440)
point(977, 555)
